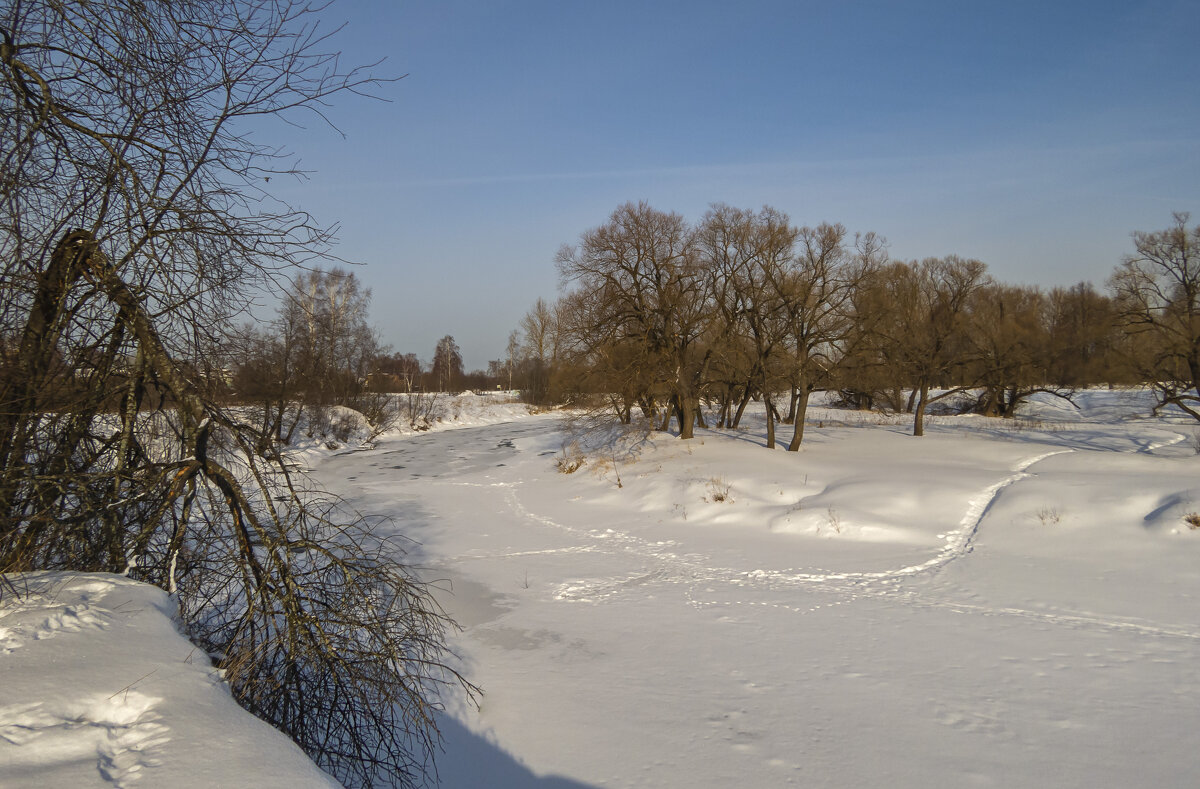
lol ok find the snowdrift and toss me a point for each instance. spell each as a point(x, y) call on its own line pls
point(101, 689)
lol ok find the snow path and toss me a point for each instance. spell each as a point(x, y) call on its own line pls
point(121, 731)
point(671, 567)
point(1154, 446)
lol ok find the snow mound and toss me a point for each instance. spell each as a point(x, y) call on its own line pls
point(100, 689)
point(472, 410)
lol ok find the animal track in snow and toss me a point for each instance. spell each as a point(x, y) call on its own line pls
point(36, 616)
point(121, 732)
point(991, 723)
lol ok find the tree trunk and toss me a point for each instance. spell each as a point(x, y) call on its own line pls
point(687, 416)
point(291, 429)
point(992, 402)
point(770, 422)
point(802, 394)
point(1012, 399)
point(737, 418)
point(791, 414)
point(646, 403)
point(668, 409)
point(39, 341)
point(919, 413)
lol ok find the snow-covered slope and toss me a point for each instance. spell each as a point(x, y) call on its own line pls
point(438, 412)
point(99, 689)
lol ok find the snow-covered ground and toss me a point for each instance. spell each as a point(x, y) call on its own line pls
point(418, 413)
point(99, 689)
point(999, 603)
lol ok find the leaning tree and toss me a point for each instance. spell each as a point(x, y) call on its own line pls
point(134, 219)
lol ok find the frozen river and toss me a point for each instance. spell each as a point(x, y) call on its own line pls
point(980, 607)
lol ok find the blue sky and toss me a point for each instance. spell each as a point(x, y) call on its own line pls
point(1034, 136)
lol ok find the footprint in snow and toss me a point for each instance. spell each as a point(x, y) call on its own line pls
point(123, 731)
point(32, 621)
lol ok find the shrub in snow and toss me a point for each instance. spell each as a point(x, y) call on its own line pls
point(417, 409)
point(718, 490)
point(570, 459)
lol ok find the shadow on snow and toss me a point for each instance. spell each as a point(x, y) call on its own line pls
point(470, 761)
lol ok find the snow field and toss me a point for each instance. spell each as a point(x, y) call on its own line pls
point(999, 603)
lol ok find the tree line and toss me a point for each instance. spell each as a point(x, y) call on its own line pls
point(659, 315)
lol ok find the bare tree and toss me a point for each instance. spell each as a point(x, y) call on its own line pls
point(601, 366)
point(647, 303)
point(405, 368)
point(327, 311)
point(1011, 347)
point(817, 297)
point(133, 222)
point(747, 255)
point(512, 353)
point(447, 363)
point(1157, 293)
point(921, 326)
point(319, 351)
point(539, 349)
point(1083, 329)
